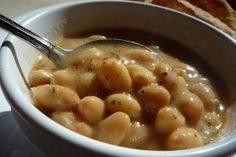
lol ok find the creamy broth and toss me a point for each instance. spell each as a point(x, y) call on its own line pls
point(128, 97)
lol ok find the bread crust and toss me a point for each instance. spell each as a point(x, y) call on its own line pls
point(216, 12)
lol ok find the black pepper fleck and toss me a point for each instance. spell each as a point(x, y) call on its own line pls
point(53, 89)
point(164, 73)
point(209, 124)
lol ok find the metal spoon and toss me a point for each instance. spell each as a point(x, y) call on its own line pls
point(55, 53)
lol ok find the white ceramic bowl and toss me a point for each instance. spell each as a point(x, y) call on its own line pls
point(212, 45)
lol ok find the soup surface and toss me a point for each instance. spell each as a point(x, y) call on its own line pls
point(129, 97)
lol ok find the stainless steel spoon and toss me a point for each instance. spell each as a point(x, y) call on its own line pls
point(55, 53)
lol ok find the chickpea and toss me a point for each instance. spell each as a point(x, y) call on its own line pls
point(91, 108)
point(137, 136)
point(124, 103)
point(168, 119)
point(154, 97)
point(184, 138)
point(114, 128)
point(55, 97)
point(206, 94)
point(190, 105)
point(39, 77)
point(69, 120)
point(114, 75)
point(140, 76)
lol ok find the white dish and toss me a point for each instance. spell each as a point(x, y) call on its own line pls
point(40, 127)
point(13, 141)
point(4, 106)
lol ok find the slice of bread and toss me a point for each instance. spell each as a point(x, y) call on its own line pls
point(217, 12)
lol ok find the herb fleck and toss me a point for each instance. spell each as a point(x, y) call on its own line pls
point(164, 73)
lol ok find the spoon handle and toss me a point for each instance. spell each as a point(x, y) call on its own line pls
point(38, 42)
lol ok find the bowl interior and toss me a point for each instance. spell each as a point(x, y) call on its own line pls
point(211, 45)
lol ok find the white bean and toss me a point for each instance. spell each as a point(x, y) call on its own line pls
point(161, 69)
point(69, 120)
point(206, 94)
point(44, 63)
point(124, 103)
point(168, 119)
point(65, 78)
point(55, 97)
point(170, 80)
point(39, 77)
point(114, 75)
point(91, 108)
point(182, 85)
point(184, 138)
point(65, 118)
point(140, 76)
point(190, 105)
point(154, 97)
point(137, 136)
point(114, 128)
point(85, 59)
point(140, 55)
point(88, 84)
point(189, 73)
point(83, 129)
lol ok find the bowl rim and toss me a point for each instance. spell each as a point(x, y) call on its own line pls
point(21, 104)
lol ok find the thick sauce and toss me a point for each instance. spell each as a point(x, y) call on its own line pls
point(128, 97)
